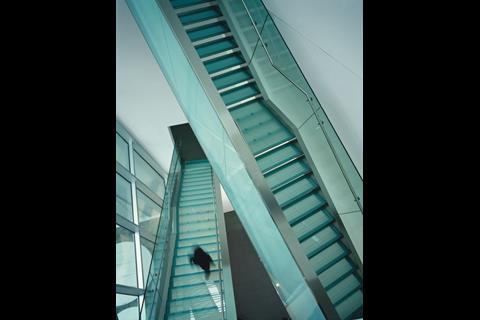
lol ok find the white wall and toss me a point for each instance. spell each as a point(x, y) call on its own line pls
point(145, 104)
point(326, 39)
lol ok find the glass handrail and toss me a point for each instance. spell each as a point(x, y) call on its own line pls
point(159, 256)
point(219, 261)
point(276, 53)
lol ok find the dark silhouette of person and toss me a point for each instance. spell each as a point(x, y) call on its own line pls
point(202, 259)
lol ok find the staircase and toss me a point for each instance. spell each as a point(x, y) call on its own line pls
point(190, 295)
point(282, 162)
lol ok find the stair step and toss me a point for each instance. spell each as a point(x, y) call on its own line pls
point(195, 219)
point(296, 191)
point(197, 189)
point(195, 204)
point(201, 314)
point(350, 305)
point(185, 260)
point(203, 23)
point(323, 260)
point(225, 64)
point(190, 270)
point(221, 72)
point(198, 234)
point(293, 180)
point(232, 78)
point(279, 176)
point(192, 305)
point(236, 86)
point(216, 47)
point(195, 7)
point(194, 279)
point(196, 167)
point(344, 289)
point(286, 162)
point(284, 153)
point(208, 31)
point(339, 283)
point(244, 101)
point(196, 183)
point(197, 174)
point(200, 289)
point(240, 93)
point(196, 197)
point(303, 208)
point(176, 4)
point(208, 245)
point(194, 193)
point(251, 115)
point(262, 137)
point(185, 245)
point(313, 224)
point(341, 268)
point(275, 147)
point(212, 249)
point(219, 55)
point(194, 210)
point(319, 241)
point(211, 39)
point(194, 227)
point(190, 182)
point(199, 15)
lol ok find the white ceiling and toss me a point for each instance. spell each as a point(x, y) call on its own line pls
point(146, 105)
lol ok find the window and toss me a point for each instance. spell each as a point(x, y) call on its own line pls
point(126, 273)
point(127, 307)
point(148, 175)
point(122, 152)
point(139, 200)
point(149, 215)
point(124, 198)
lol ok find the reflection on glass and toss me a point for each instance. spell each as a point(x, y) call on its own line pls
point(148, 214)
point(215, 294)
point(121, 151)
point(147, 251)
point(148, 175)
point(127, 307)
point(125, 258)
point(124, 198)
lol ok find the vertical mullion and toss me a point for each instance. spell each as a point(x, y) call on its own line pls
point(138, 251)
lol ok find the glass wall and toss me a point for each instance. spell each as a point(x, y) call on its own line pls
point(139, 199)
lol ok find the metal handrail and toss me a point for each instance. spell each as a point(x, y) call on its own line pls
point(309, 100)
point(271, 60)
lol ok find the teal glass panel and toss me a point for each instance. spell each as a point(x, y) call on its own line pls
point(123, 200)
point(148, 175)
point(121, 151)
point(126, 273)
point(156, 272)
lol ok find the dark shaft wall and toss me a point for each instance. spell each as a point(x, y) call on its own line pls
point(255, 296)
